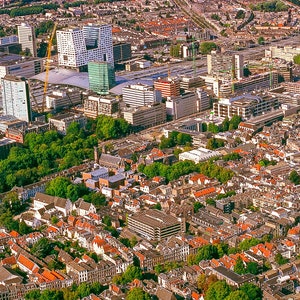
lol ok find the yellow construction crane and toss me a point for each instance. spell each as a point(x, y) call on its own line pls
point(47, 66)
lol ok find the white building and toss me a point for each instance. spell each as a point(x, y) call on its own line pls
point(197, 155)
point(183, 105)
point(27, 39)
point(76, 47)
point(136, 95)
point(15, 95)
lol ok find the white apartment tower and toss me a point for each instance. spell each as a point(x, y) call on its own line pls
point(27, 39)
point(76, 47)
point(15, 95)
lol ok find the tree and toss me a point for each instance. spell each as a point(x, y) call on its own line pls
point(218, 291)
point(33, 295)
point(261, 40)
point(237, 295)
point(280, 259)
point(197, 205)
point(58, 187)
point(83, 290)
point(235, 121)
point(137, 294)
point(207, 47)
point(248, 243)
point(23, 228)
point(239, 267)
point(294, 177)
point(297, 59)
point(42, 248)
point(252, 291)
point(132, 272)
point(252, 268)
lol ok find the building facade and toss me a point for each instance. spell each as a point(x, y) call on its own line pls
point(146, 116)
point(155, 225)
point(247, 106)
point(26, 35)
point(168, 86)
point(76, 47)
point(183, 105)
point(63, 121)
point(101, 77)
point(95, 106)
point(15, 96)
point(136, 95)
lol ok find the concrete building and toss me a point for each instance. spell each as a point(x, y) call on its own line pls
point(225, 65)
point(101, 77)
point(26, 35)
point(183, 105)
point(136, 95)
point(15, 96)
point(5, 145)
point(247, 106)
point(13, 64)
point(76, 47)
point(287, 52)
point(63, 121)
point(63, 98)
point(98, 105)
point(204, 101)
point(190, 83)
point(155, 225)
point(168, 86)
point(197, 155)
point(146, 116)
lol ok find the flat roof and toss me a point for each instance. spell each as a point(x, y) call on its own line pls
point(61, 76)
point(155, 218)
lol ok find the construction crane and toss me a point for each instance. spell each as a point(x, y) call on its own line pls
point(47, 67)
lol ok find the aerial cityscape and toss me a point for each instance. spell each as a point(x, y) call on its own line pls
point(149, 149)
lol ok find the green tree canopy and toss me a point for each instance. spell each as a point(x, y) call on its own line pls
point(218, 291)
point(252, 291)
point(207, 47)
point(297, 59)
point(237, 295)
point(137, 294)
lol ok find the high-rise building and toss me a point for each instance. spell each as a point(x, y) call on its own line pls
point(101, 77)
point(136, 95)
point(168, 86)
point(15, 95)
point(122, 52)
point(76, 47)
point(27, 39)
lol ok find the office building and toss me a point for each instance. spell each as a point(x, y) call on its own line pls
point(225, 65)
point(247, 106)
point(101, 77)
point(190, 83)
point(136, 95)
point(95, 106)
point(146, 116)
point(204, 101)
point(27, 39)
point(13, 64)
point(183, 105)
point(76, 47)
point(168, 86)
point(15, 96)
point(122, 52)
point(155, 225)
